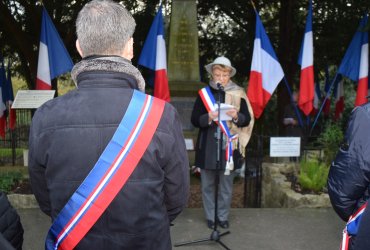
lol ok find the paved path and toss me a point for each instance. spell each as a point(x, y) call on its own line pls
point(251, 229)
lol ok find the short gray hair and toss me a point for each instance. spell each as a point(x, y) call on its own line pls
point(103, 27)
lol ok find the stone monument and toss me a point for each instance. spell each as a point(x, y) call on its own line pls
point(183, 56)
point(183, 64)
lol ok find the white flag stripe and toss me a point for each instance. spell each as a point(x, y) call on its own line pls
point(43, 69)
point(340, 91)
point(2, 104)
point(160, 62)
point(364, 61)
point(316, 101)
point(307, 55)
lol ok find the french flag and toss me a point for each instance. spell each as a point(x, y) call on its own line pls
point(54, 59)
point(2, 100)
point(355, 63)
point(326, 109)
point(153, 56)
point(266, 71)
point(316, 99)
point(10, 98)
point(339, 98)
point(306, 93)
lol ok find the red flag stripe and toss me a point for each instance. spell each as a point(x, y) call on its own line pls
point(161, 89)
point(362, 91)
point(306, 92)
point(257, 95)
point(41, 85)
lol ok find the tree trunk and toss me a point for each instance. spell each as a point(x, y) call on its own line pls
point(23, 43)
point(288, 54)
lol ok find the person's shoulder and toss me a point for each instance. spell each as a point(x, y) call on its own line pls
point(169, 110)
point(238, 91)
point(55, 102)
point(362, 110)
point(365, 107)
point(169, 115)
point(52, 107)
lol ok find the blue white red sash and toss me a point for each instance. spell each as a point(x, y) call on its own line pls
point(211, 105)
point(352, 226)
point(109, 174)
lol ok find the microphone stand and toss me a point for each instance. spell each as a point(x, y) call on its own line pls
point(215, 235)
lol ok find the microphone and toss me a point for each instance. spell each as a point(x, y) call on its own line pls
point(219, 86)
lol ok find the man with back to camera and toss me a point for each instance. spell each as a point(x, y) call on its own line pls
point(349, 180)
point(69, 134)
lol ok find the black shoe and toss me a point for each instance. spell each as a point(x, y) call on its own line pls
point(223, 224)
point(210, 224)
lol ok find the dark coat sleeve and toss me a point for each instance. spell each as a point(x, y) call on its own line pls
point(10, 225)
point(176, 184)
point(348, 179)
point(5, 244)
point(36, 166)
point(244, 116)
point(199, 115)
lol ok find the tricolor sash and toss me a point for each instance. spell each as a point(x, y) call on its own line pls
point(352, 226)
point(209, 102)
point(109, 174)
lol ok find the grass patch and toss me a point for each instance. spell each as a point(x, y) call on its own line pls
point(7, 152)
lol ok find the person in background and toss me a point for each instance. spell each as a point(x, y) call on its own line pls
point(292, 126)
point(291, 120)
point(349, 178)
point(70, 134)
point(240, 123)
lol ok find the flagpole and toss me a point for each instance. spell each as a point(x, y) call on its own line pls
point(295, 106)
point(254, 6)
point(323, 103)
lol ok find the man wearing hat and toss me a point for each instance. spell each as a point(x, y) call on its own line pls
point(239, 128)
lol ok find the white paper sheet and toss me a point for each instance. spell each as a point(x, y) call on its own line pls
point(224, 109)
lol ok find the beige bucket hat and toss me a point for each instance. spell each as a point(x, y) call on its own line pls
point(221, 61)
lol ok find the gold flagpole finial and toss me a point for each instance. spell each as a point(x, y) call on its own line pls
point(254, 6)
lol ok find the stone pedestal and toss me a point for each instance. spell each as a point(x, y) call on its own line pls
point(183, 56)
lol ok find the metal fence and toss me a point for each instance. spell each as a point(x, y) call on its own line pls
point(16, 140)
point(253, 171)
point(11, 153)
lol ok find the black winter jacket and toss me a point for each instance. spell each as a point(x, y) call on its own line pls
point(206, 146)
point(349, 175)
point(10, 225)
point(69, 133)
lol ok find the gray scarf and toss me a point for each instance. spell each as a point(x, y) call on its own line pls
point(229, 86)
point(108, 63)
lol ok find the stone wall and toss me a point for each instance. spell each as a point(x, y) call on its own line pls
point(23, 201)
point(277, 192)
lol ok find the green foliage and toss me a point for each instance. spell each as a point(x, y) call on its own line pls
point(313, 176)
point(65, 85)
point(330, 140)
point(9, 179)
